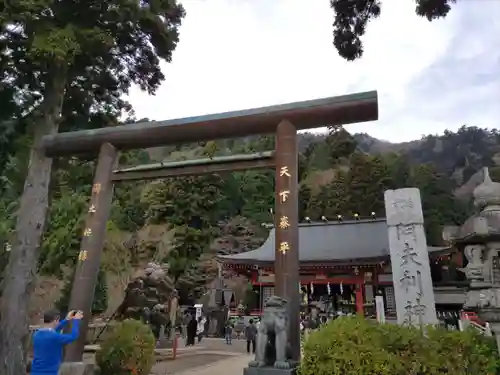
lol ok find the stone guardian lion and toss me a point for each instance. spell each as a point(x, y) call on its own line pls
point(272, 336)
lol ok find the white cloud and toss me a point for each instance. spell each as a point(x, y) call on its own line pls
point(236, 54)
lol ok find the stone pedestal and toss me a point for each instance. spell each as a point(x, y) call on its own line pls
point(269, 371)
point(76, 368)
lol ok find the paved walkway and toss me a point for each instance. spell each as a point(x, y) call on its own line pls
point(233, 365)
point(207, 356)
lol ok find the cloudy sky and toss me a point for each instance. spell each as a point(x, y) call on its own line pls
point(239, 54)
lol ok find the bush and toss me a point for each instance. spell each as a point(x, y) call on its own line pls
point(353, 346)
point(127, 350)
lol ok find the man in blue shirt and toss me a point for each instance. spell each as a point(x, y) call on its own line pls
point(48, 342)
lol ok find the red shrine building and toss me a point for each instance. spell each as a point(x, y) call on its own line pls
point(343, 265)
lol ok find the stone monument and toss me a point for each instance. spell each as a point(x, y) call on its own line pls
point(272, 354)
point(479, 237)
point(409, 258)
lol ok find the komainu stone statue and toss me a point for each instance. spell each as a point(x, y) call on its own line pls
point(272, 338)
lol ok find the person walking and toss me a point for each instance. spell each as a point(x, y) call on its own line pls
point(185, 321)
point(49, 341)
point(239, 327)
point(229, 332)
point(191, 331)
point(251, 335)
point(200, 328)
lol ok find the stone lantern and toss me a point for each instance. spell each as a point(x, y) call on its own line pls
point(479, 237)
point(217, 308)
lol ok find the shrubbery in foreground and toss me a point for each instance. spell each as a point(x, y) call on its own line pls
point(127, 350)
point(355, 346)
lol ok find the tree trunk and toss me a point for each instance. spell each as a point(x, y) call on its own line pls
point(20, 273)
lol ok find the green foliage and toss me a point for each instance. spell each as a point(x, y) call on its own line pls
point(14, 165)
point(352, 346)
point(257, 192)
point(61, 242)
point(334, 198)
point(183, 201)
point(352, 18)
point(368, 177)
point(304, 199)
point(340, 143)
point(67, 65)
point(439, 206)
point(193, 206)
point(457, 154)
point(127, 350)
point(189, 244)
point(100, 302)
point(90, 50)
point(190, 206)
point(360, 190)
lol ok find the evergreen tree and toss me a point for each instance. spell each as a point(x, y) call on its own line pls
point(318, 203)
point(304, 198)
point(337, 196)
point(191, 206)
point(257, 191)
point(400, 169)
point(439, 205)
point(352, 18)
point(70, 61)
point(368, 177)
point(340, 143)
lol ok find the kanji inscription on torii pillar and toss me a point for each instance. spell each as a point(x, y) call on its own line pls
point(411, 272)
point(286, 221)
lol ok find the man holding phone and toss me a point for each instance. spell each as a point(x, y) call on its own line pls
point(49, 341)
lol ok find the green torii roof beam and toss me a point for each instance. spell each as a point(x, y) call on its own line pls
point(218, 164)
point(339, 110)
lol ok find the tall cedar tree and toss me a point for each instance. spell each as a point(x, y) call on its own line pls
point(368, 177)
point(65, 58)
point(352, 17)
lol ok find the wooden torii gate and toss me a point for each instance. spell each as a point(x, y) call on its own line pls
point(282, 120)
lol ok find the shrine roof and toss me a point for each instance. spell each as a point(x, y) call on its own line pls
point(334, 241)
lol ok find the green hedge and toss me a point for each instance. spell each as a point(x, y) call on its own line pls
point(355, 346)
point(127, 350)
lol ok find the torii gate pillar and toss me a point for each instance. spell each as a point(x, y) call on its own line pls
point(286, 265)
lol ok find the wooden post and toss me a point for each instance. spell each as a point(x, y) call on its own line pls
point(360, 304)
point(287, 230)
point(89, 258)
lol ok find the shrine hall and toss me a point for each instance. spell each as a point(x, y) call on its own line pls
point(343, 264)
